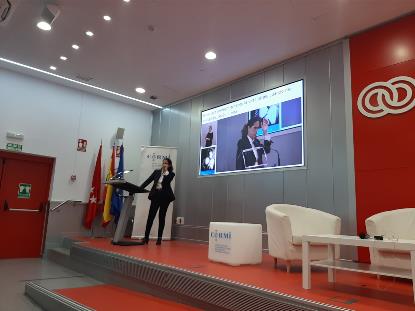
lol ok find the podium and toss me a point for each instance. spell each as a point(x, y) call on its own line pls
point(125, 211)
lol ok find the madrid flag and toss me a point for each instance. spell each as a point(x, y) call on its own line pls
point(95, 193)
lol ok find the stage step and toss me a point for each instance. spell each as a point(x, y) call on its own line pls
point(68, 242)
point(48, 300)
point(208, 293)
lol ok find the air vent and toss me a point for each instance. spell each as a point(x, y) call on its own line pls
point(7, 7)
point(84, 78)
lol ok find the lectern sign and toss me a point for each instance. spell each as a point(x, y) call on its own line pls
point(24, 191)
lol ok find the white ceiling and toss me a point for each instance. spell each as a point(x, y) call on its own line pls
point(168, 62)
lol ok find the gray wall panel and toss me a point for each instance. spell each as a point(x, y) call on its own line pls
point(155, 131)
point(219, 198)
point(342, 206)
point(216, 98)
point(204, 205)
point(192, 182)
point(261, 190)
point(247, 86)
point(324, 183)
point(235, 204)
point(274, 77)
point(172, 137)
point(164, 127)
point(318, 133)
point(294, 70)
point(295, 187)
point(194, 139)
point(182, 168)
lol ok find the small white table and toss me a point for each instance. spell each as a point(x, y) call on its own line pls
point(235, 243)
point(332, 263)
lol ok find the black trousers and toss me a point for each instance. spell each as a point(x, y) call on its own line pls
point(156, 204)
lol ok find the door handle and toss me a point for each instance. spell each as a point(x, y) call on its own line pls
point(7, 208)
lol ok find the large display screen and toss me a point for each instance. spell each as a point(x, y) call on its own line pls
point(262, 131)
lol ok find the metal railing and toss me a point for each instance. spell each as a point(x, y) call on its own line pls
point(64, 203)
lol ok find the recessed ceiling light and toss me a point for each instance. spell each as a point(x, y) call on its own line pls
point(44, 26)
point(107, 18)
point(52, 67)
point(89, 33)
point(75, 46)
point(140, 90)
point(127, 1)
point(63, 58)
point(210, 55)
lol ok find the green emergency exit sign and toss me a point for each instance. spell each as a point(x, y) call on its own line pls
point(24, 191)
point(14, 147)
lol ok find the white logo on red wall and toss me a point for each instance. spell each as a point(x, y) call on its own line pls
point(391, 97)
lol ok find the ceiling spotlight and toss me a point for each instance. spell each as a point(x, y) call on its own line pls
point(107, 18)
point(126, 1)
point(140, 90)
point(52, 67)
point(75, 46)
point(48, 16)
point(63, 58)
point(89, 33)
point(210, 55)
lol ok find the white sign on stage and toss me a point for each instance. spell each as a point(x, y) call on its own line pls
point(151, 158)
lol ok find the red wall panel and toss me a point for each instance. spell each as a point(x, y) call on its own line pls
point(384, 146)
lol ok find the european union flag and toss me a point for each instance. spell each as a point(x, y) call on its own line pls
point(117, 194)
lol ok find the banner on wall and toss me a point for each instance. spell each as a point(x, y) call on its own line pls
point(151, 158)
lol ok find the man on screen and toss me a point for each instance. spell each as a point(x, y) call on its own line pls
point(250, 150)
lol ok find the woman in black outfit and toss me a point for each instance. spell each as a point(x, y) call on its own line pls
point(161, 194)
point(249, 149)
point(209, 137)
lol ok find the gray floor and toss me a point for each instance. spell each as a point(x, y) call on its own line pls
point(15, 272)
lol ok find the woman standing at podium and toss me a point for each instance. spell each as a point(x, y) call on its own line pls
point(161, 194)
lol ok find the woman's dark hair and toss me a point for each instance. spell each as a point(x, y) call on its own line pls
point(170, 169)
point(250, 123)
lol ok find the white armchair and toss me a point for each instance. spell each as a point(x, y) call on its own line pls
point(400, 224)
point(286, 224)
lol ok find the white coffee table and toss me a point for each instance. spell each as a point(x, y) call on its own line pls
point(332, 263)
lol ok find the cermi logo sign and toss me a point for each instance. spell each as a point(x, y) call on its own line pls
point(221, 235)
point(392, 97)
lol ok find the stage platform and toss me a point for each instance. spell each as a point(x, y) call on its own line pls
point(183, 268)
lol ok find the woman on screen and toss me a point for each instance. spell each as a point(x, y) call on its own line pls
point(161, 194)
point(209, 137)
point(250, 150)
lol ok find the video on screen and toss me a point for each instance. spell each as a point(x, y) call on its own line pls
point(263, 131)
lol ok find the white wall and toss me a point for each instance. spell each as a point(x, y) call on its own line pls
point(53, 117)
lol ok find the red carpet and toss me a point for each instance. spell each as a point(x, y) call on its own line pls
point(352, 290)
point(110, 298)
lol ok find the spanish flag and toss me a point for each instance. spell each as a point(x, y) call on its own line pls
point(106, 216)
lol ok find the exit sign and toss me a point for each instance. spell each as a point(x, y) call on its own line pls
point(14, 147)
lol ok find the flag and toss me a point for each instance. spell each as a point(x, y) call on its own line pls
point(117, 194)
point(95, 193)
point(106, 216)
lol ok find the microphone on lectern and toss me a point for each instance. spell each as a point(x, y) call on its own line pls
point(120, 175)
